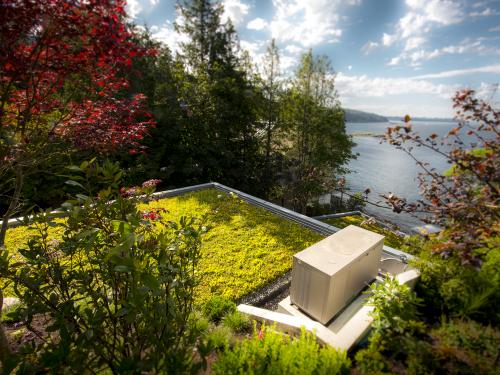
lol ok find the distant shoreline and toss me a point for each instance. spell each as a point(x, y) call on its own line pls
point(430, 119)
point(367, 134)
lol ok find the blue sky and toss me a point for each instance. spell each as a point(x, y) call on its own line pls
point(390, 57)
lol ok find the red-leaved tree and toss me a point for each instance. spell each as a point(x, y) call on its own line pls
point(62, 80)
point(465, 200)
point(62, 66)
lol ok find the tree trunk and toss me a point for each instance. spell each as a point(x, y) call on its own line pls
point(13, 203)
point(5, 351)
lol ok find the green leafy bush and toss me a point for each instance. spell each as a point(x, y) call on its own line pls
point(452, 289)
point(455, 347)
point(236, 321)
point(394, 305)
point(217, 307)
point(270, 352)
point(11, 313)
point(401, 343)
point(395, 319)
point(117, 287)
point(465, 347)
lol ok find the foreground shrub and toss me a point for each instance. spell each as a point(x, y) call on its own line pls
point(455, 347)
point(217, 307)
point(465, 347)
point(394, 313)
point(218, 338)
point(270, 352)
point(455, 290)
point(394, 305)
point(236, 322)
point(403, 344)
point(117, 289)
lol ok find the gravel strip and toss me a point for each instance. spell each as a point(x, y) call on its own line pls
point(270, 295)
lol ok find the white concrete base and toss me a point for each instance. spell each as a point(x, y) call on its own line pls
point(292, 324)
point(343, 332)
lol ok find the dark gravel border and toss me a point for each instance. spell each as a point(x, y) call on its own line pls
point(271, 294)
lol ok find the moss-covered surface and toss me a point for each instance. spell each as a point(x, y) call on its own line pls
point(245, 248)
point(18, 237)
point(391, 238)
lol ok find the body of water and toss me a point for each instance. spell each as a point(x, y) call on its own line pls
point(382, 168)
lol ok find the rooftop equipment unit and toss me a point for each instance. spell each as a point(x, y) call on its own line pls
point(329, 274)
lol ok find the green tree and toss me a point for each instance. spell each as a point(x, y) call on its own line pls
point(160, 76)
point(315, 132)
point(272, 91)
point(219, 98)
point(210, 41)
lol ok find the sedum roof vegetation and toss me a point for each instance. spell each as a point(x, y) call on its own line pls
point(391, 238)
point(245, 247)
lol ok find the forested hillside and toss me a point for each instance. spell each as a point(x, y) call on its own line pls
point(353, 115)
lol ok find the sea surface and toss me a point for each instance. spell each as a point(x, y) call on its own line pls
point(384, 169)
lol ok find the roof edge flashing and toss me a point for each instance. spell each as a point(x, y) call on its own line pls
point(306, 221)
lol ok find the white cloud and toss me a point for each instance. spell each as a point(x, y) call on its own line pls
point(484, 13)
point(479, 4)
point(287, 62)
point(307, 22)
point(255, 49)
point(413, 42)
point(293, 49)
point(154, 2)
point(367, 87)
point(418, 94)
point(460, 72)
point(422, 16)
point(494, 29)
point(349, 67)
point(167, 35)
point(415, 58)
point(488, 91)
point(369, 47)
point(394, 61)
point(257, 24)
point(444, 12)
point(388, 39)
point(235, 10)
point(133, 8)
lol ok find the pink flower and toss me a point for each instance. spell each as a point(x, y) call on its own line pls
point(128, 192)
point(151, 183)
point(261, 335)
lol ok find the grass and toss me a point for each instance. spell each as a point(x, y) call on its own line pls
point(245, 248)
point(391, 238)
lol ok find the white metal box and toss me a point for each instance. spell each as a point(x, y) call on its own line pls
point(328, 274)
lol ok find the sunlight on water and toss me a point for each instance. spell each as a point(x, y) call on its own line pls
point(383, 168)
